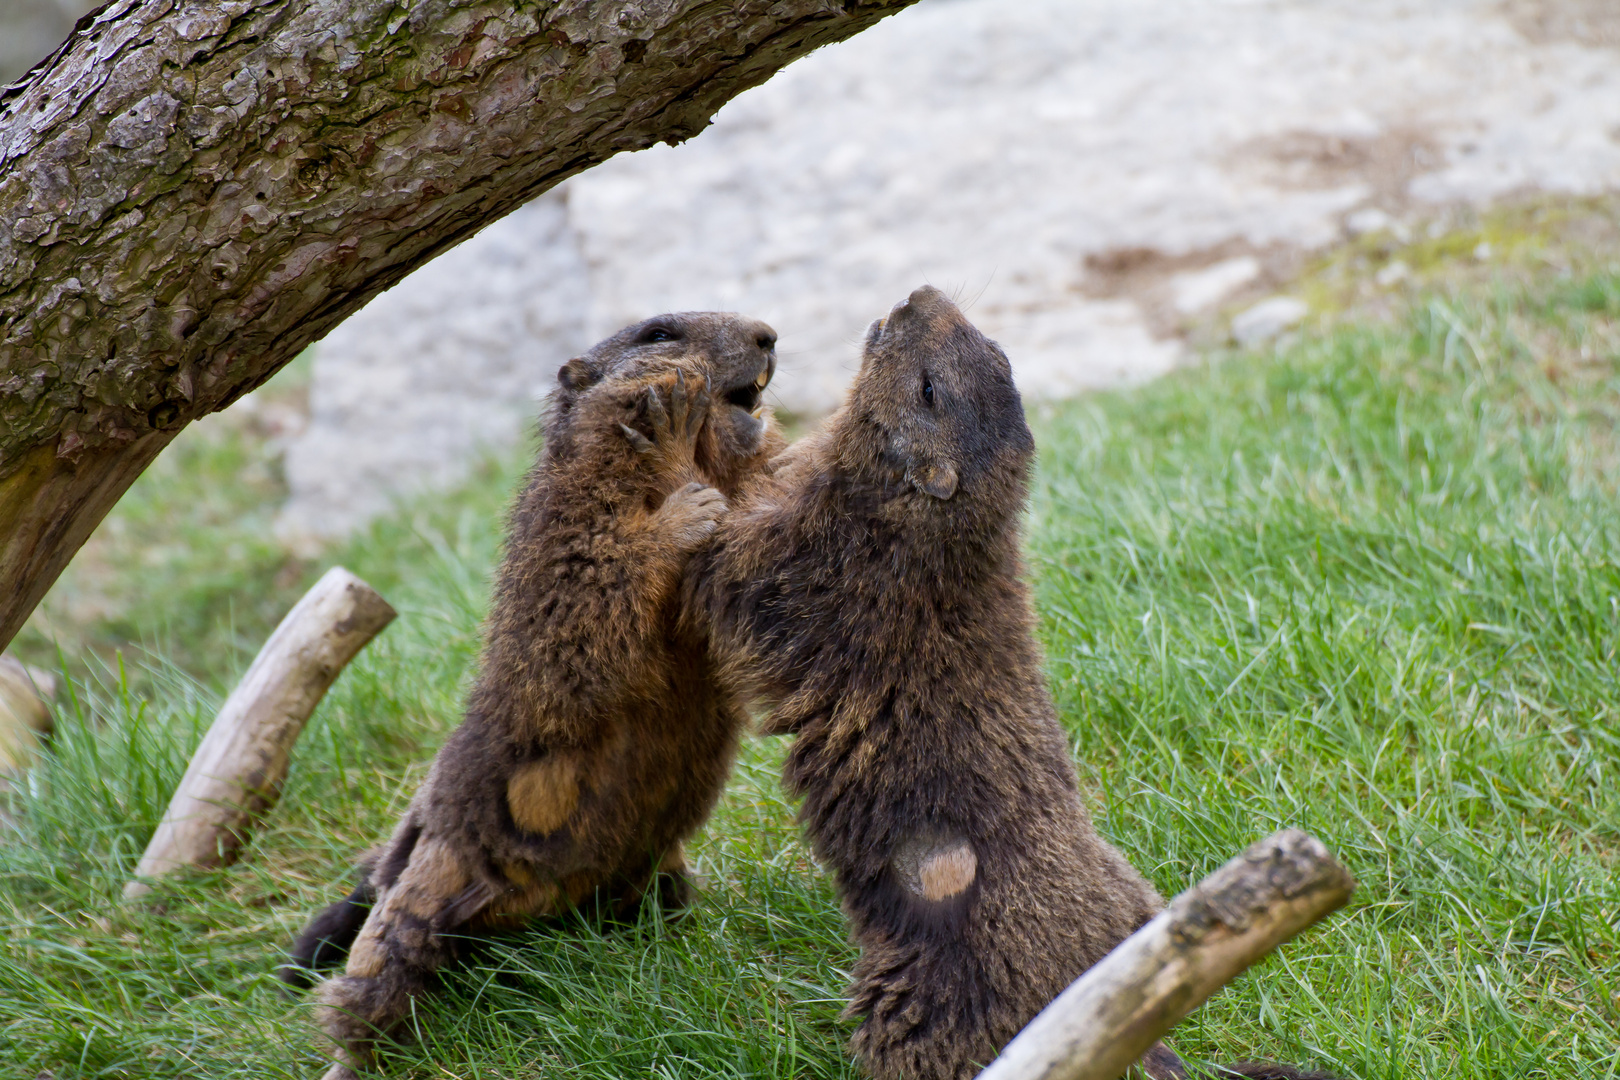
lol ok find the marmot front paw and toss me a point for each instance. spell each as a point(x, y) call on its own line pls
point(675, 429)
point(691, 513)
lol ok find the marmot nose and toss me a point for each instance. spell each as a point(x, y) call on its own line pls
point(764, 336)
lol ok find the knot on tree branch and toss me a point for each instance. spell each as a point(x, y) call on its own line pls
point(1288, 864)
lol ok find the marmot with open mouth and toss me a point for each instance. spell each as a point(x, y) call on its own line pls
point(596, 737)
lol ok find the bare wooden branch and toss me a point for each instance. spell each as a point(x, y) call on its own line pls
point(1208, 935)
point(192, 191)
point(24, 715)
point(236, 773)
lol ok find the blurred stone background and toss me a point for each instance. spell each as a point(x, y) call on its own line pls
point(1094, 180)
point(31, 28)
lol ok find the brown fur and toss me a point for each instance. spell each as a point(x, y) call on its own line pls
point(871, 592)
point(596, 737)
point(543, 793)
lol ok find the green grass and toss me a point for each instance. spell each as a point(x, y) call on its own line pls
point(1368, 586)
point(1371, 589)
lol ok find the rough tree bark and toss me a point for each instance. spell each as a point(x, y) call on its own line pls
point(192, 191)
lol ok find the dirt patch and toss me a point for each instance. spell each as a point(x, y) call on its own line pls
point(1582, 22)
point(1315, 160)
point(1173, 290)
point(1176, 292)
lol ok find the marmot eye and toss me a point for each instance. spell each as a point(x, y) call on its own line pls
point(928, 392)
point(656, 334)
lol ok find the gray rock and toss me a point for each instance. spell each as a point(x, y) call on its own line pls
point(1371, 219)
point(1267, 320)
point(1392, 274)
point(1197, 290)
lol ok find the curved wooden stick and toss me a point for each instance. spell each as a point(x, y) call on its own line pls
point(25, 718)
point(1208, 935)
point(236, 773)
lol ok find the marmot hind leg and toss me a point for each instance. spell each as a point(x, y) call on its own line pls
point(405, 939)
point(667, 891)
point(326, 940)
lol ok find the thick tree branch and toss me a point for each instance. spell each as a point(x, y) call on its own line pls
point(192, 191)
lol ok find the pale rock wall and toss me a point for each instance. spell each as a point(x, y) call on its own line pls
point(1085, 175)
point(444, 367)
point(30, 29)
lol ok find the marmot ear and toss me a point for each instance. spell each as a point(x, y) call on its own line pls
point(577, 374)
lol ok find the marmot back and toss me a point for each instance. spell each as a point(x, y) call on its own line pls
point(596, 736)
point(871, 591)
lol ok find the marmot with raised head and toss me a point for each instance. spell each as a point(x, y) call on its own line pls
point(596, 738)
point(870, 591)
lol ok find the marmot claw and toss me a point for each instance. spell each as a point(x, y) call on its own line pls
point(642, 444)
point(676, 425)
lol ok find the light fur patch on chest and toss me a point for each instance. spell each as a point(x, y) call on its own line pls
point(542, 794)
point(936, 869)
point(946, 873)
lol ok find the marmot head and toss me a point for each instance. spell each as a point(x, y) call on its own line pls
point(734, 354)
point(935, 406)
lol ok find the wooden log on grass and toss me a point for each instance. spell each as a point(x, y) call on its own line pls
point(1208, 935)
point(25, 718)
point(236, 774)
